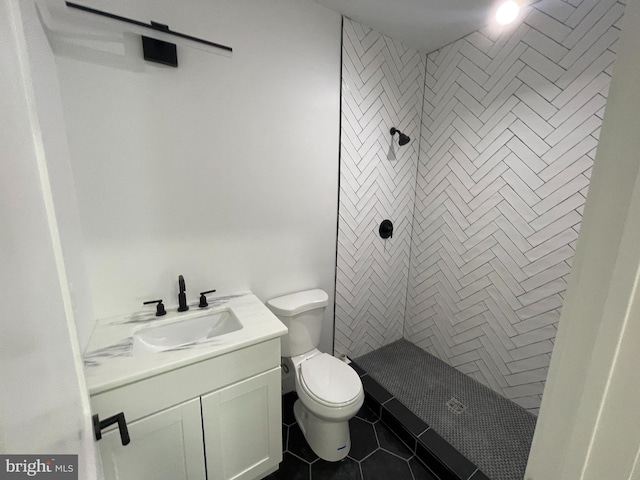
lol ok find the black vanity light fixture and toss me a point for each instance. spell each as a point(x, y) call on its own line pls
point(154, 50)
point(403, 139)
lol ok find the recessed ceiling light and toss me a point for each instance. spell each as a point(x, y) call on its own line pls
point(507, 12)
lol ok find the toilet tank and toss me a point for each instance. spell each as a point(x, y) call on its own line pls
point(302, 314)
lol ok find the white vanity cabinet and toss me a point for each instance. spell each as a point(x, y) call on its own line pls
point(241, 438)
point(165, 446)
point(217, 419)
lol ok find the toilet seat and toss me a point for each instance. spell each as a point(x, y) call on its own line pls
point(329, 381)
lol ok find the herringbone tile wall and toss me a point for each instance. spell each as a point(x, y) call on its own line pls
point(382, 88)
point(509, 132)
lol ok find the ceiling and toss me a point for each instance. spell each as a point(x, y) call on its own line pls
point(425, 25)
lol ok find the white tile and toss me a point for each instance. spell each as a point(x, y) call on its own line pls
point(578, 118)
point(493, 160)
point(516, 183)
point(581, 73)
point(479, 235)
point(546, 276)
point(566, 160)
point(508, 269)
point(548, 289)
point(472, 70)
point(465, 130)
point(547, 25)
point(505, 292)
point(480, 41)
point(490, 180)
point(466, 347)
point(497, 339)
point(459, 194)
point(516, 112)
point(531, 363)
point(597, 39)
point(535, 336)
point(473, 53)
point(575, 137)
point(461, 143)
point(545, 45)
point(492, 149)
point(464, 358)
point(526, 378)
point(505, 60)
point(529, 138)
point(536, 102)
point(541, 64)
point(522, 170)
point(556, 198)
point(526, 155)
point(561, 11)
point(513, 393)
point(508, 242)
point(539, 321)
point(549, 304)
point(534, 121)
point(495, 118)
point(445, 104)
point(538, 83)
point(531, 350)
point(555, 242)
point(482, 197)
point(563, 175)
point(519, 205)
point(514, 218)
point(554, 229)
point(477, 279)
point(601, 10)
point(461, 173)
point(471, 94)
point(583, 8)
point(506, 86)
point(467, 116)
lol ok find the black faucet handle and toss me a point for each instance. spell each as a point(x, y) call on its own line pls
point(203, 300)
point(182, 296)
point(159, 308)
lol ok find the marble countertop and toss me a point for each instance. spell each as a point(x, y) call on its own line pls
point(109, 361)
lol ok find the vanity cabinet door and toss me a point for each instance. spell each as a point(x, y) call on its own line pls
point(243, 428)
point(164, 446)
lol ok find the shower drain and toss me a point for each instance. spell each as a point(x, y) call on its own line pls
point(456, 406)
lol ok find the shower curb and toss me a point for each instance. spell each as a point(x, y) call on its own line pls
point(438, 455)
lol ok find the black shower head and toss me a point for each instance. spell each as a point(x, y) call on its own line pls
point(403, 139)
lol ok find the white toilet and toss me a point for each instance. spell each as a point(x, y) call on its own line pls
point(329, 391)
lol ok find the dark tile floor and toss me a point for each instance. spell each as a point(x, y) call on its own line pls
point(376, 453)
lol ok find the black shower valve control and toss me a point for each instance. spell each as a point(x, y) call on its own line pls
point(159, 307)
point(386, 229)
point(203, 300)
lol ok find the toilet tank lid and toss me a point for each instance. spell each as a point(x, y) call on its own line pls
point(295, 303)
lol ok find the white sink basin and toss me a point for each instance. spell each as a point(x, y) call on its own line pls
point(182, 333)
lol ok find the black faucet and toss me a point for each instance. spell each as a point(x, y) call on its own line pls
point(182, 297)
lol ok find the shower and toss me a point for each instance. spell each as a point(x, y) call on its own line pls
point(403, 139)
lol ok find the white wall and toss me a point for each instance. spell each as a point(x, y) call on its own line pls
point(224, 170)
point(44, 407)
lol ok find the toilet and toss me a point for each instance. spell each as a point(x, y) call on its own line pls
point(329, 390)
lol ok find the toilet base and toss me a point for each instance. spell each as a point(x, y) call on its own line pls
point(331, 441)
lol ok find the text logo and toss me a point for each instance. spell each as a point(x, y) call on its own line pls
point(49, 467)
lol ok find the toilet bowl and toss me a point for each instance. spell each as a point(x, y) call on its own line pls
point(329, 390)
point(329, 394)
